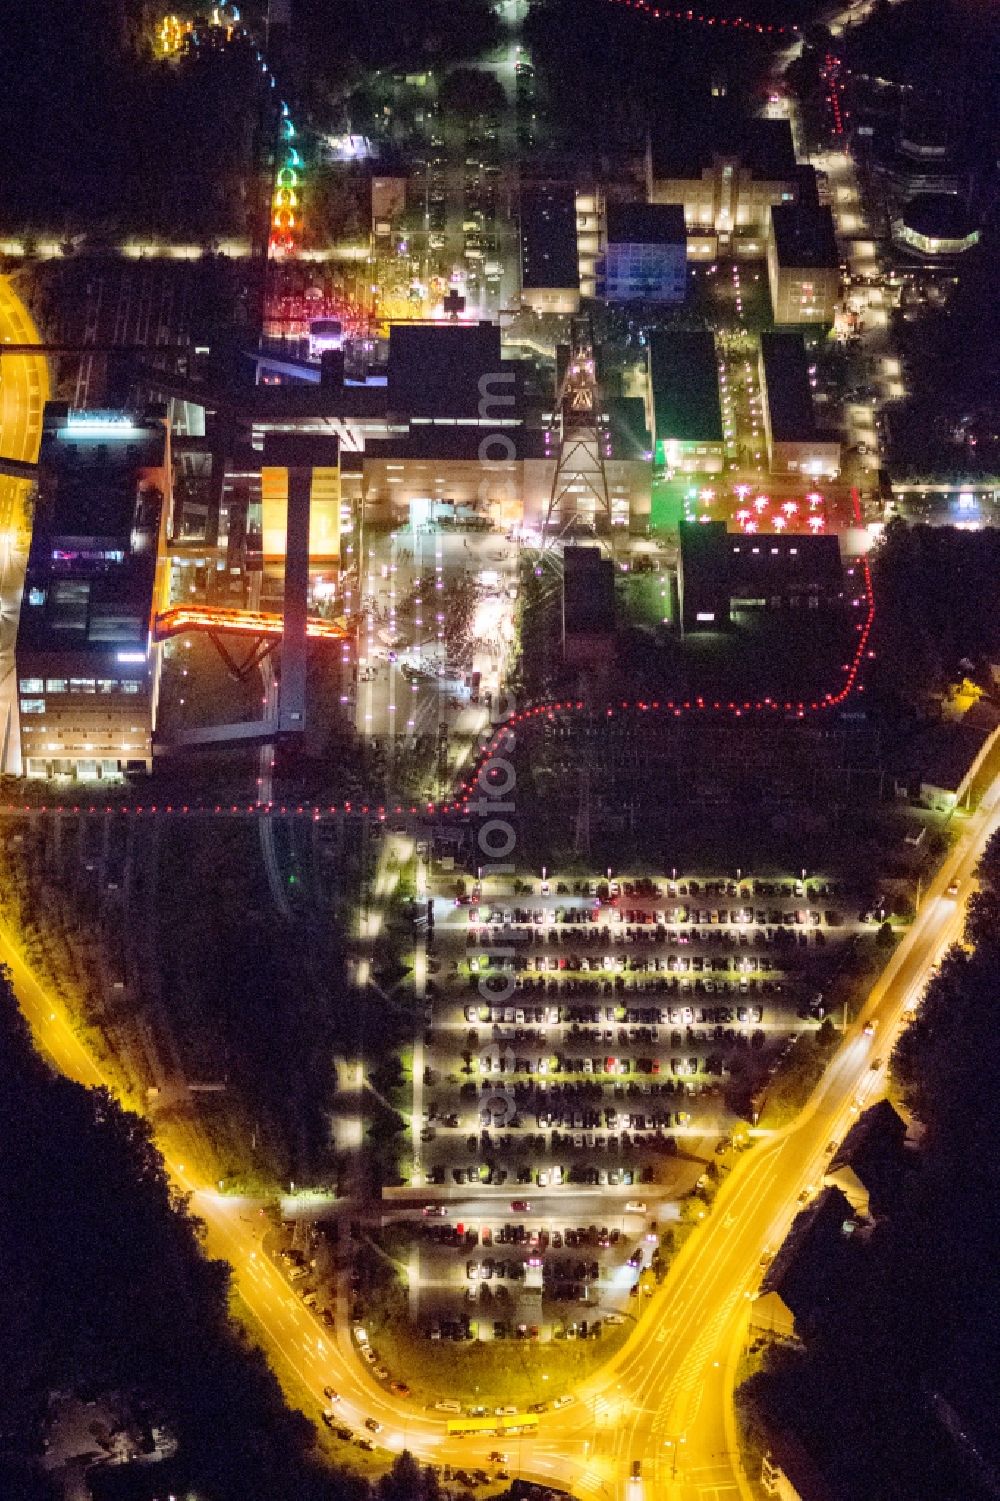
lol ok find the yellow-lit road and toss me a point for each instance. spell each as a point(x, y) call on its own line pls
point(666, 1398)
point(24, 389)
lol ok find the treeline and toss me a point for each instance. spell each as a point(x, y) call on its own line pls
point(897, 1391)
point(936, 589)
point(341, 42)
point(97, 135)
point(105, 1289)
point(948, 424)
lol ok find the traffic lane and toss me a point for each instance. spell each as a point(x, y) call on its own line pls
point(493, 1206)
point(316, 1357)
point(831, 1112)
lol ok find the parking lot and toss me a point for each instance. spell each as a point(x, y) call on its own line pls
point(584, 1046)
point(617, 1025)
point(535, 1278)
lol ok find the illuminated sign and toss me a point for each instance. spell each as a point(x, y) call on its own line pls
point(101, 424)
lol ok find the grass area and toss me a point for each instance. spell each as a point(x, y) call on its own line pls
point(514, 1371)
point(644, 598)
point(797, 1076)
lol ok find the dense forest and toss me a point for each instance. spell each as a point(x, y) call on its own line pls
point(935, 591)
point(105, 1289)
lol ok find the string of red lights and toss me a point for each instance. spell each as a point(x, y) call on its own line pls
point(832, 78)
point(465, 790)
point(734, 23)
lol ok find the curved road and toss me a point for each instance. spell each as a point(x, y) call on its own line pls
point(666, 1398)
point(24, 390)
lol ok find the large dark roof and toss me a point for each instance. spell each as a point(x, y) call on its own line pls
point(803, 1272)
point(786, 382)
point(873, 1150)
point(646, 224)
point(940, 216)
point(548, 236)
point(766, 564)
point(683, 145)
point(89, 579)
point(434, 440)
point(626, 433)
point(685, 379)
point(588, 591)
point(436, 369)
point(804, 235)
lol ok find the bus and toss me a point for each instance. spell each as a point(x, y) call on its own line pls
point(494, 1427)
point(324, 334)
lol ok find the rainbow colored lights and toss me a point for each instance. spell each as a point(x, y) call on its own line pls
point(286, 216)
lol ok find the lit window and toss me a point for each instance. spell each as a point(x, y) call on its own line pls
point(107, 685)
point(130, 685)
point(82, 685)
point(54, 685)
point(32, 706)
point(31, 685)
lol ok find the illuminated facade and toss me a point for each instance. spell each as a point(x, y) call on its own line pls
point(725, 172)
point(935, 226)
point(87, 666)
point(803, 264)
point(324, 511)
point(794, 446)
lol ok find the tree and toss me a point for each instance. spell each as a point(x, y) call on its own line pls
point(467, 93)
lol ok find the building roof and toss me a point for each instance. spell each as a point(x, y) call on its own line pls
point(786, 384)
point(548, 236)
point(873, 1151)
point(91, 566)
point(704, 544)
point(626, 434)
point(684, 377)
point(803, 236)
point(802, 1272)
point(645, 224)
point(943, 754)
point(490, 444)
point(766, 564)
point(939, 216)
point(588, 592)
point(683, 145)
point(435, 369)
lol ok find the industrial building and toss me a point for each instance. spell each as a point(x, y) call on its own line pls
point(588, 613)
point(803, 265)
point(645, 253)
point(550, 270)
point(87, 666)
point(726, 171)
point(718, 571)
point(794, 446)
point(935, 227)
point(684, 410)
point(703, 575)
